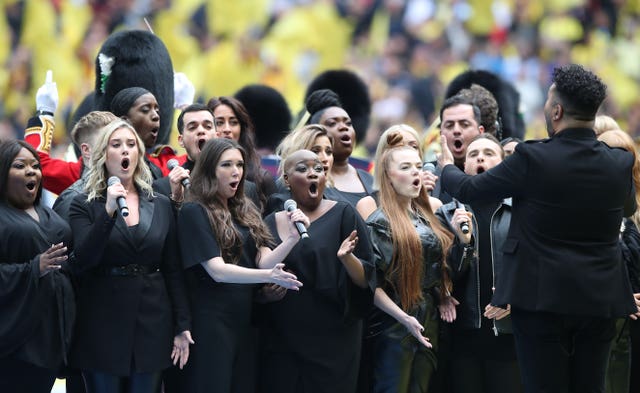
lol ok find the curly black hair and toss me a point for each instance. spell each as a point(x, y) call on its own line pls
point(579, 90)
point(320, 100)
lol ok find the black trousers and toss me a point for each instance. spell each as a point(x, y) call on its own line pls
point(561, 353)
point(634, 329)
point(97, 382)
point(476, 374)
point(19, 376)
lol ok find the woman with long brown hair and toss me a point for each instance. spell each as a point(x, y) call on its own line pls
point(410, 248)
point(233, 122)
point(225, 247)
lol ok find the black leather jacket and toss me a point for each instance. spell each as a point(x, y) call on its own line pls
point(380, 233)
point(466, 279)
point(630, 243)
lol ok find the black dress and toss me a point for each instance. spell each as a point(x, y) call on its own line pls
point(312, 337)
point(36, 313)
point(221, 312)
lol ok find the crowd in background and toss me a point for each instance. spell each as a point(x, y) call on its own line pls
point(406, 51)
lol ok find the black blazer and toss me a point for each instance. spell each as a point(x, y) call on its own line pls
point(125, 318)
point(570, 193)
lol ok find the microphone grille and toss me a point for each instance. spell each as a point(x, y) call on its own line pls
point(172, 163)
point(113, 180)
point(290, 204)
point(428, 167)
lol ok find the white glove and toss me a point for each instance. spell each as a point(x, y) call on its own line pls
point(183, 90)
point(47, 95)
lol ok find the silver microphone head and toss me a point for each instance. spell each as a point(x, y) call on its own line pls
point(113, 180)
point(290, 205)
point(172, 163)
point(429, 167)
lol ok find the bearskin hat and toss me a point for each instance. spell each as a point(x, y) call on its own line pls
point(353, 94)
point(136, 58)
point(269, 113)
point(508, 98)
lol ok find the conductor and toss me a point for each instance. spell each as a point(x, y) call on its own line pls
point(563, 271)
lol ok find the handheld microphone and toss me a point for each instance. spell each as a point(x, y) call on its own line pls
point(291, 205)
point(429, 167)
point(464, 226)
point(172, 163)
point(122, 202)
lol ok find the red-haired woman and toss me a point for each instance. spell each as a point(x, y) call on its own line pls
point(410, 247)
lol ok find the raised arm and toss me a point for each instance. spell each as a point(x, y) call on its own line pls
point(57, 174)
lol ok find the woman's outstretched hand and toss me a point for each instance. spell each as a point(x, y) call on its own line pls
point(415, 328)
point(284, 279)
point(348, 244)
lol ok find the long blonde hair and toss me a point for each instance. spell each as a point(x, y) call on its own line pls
point(406, 271)
point(97, 177)
point(301, 139)
point(619, 138)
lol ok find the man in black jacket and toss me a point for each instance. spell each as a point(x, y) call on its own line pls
point(563, 271)
point(483, 355)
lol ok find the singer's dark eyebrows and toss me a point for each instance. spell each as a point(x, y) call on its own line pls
point(195, 122)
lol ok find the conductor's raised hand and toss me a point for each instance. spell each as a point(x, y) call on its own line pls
point(445, 157)
point(52, 258)
point(348, 244)
point(284, 279)
point(180, 351)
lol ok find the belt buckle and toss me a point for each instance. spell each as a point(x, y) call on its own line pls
point(131, 270)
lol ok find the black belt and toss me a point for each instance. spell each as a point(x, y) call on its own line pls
point(133, 269)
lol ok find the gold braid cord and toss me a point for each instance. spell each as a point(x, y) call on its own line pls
point(40, 136)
